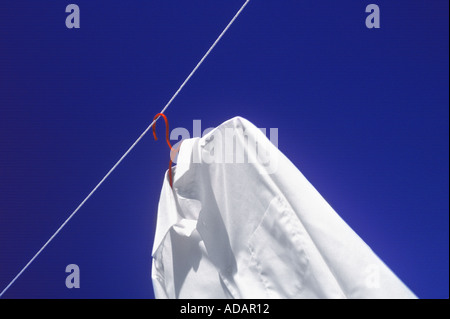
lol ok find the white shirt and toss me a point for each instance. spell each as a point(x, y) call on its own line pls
point(243, 222)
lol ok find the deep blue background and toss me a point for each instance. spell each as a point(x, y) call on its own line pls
point(363, 114)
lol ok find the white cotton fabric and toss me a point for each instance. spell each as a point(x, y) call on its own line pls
point(256, 228)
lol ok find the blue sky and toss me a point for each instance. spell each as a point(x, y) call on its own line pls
point(363, 113)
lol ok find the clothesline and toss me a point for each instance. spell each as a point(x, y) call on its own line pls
point(129, 149)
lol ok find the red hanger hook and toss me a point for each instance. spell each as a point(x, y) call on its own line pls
point(167, 128)
point(168, 143)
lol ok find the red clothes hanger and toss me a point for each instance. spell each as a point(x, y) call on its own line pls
point(175, 150)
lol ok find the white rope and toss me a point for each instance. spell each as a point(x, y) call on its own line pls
point(129, 150)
